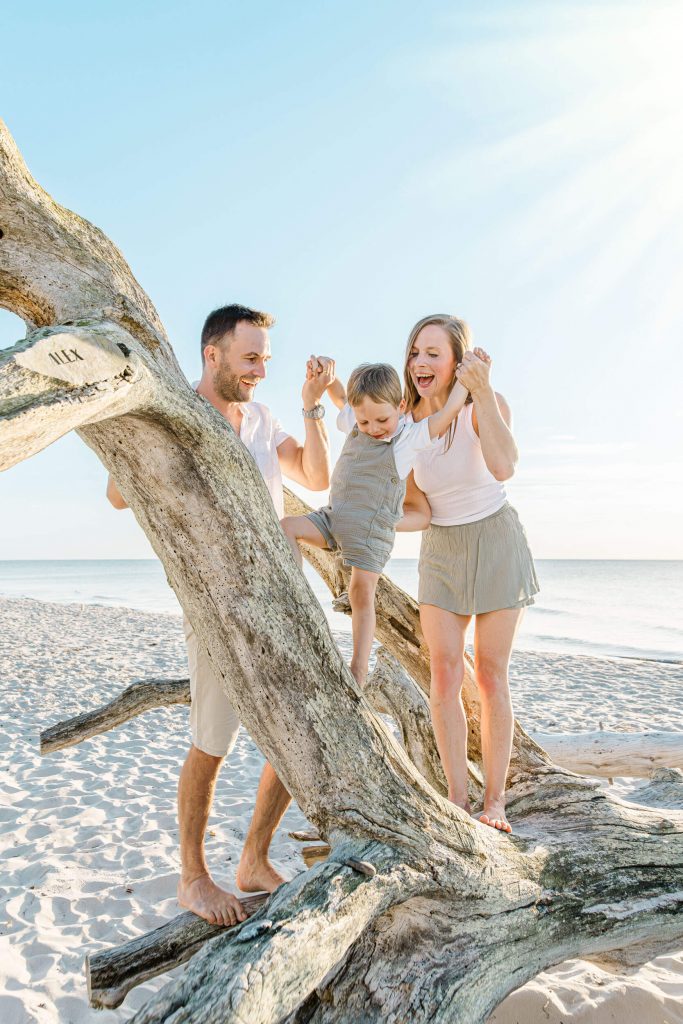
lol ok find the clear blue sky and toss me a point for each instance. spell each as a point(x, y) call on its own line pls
point(352, 167)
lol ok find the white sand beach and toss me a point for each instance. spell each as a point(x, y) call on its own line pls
point(88, 836)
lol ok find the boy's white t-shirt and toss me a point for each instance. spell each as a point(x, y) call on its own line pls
point(409, 439)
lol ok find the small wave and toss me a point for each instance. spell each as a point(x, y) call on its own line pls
point(570, 645)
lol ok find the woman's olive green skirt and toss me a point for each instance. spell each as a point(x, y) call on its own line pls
point(477, 567)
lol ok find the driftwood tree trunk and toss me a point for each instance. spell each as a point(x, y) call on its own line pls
point(455, 915)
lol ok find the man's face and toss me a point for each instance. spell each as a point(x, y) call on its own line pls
point(238, 362)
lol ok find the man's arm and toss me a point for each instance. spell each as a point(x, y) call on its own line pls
point(309, 463)
point(114, 494)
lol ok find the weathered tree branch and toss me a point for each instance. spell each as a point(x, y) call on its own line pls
point(664, 789)
point(270, 964)
point(614, 754)
point(112, 973)
point(135, 700)
point(81, 372)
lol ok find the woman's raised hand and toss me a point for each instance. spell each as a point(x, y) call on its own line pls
point(474, 370)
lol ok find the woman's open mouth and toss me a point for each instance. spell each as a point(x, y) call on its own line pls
point(423, 380)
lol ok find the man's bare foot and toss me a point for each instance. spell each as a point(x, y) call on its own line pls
point(204, 898)
point(494, 815)
point(257, 875)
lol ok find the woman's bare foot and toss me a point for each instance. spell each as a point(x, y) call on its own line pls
point(462, 803)
point(257, 875)
point(494, 815)
point(204, 898)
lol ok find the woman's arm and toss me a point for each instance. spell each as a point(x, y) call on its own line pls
point(417, 513)
point(491, 418)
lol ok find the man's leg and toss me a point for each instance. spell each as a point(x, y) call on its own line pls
point(214, 726)
point(255, 873)
point(196, 889)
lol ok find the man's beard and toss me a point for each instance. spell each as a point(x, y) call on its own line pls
point(228, 386)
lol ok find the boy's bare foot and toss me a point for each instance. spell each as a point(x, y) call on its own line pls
point(494, 815)
point(257, 875)
point(359, 675)
point(204, 898)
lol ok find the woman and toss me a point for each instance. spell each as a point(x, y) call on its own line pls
point(474, 558)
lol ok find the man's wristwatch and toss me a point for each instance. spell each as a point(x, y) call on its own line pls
point(316, 413)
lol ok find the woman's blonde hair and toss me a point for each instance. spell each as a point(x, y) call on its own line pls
point(460, 338)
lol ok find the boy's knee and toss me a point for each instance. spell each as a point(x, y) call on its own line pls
point(288, 526)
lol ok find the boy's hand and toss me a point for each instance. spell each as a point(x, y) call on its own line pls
point(321, 366)
point(320, 374)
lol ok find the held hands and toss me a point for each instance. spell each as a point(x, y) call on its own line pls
point(320, 374)
point(474, 370)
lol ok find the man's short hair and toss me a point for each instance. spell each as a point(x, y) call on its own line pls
point(224, 321)
point(378, 381)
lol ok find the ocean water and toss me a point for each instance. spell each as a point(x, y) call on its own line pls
point(617, 609)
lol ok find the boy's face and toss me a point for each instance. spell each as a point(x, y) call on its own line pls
point(378, 419)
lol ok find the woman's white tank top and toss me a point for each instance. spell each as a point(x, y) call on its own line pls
point(458, 484)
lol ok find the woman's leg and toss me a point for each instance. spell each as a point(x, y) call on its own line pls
point(494, 634)
point(297, 528)
point(444, 633)
point(362, 599)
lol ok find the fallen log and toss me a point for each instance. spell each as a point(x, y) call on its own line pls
point(112, 973)
point(134, 700)
point(614, 754)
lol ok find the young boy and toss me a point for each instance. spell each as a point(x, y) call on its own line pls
point(368, 487)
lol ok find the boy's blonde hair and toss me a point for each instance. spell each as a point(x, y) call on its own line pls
point(377, 381)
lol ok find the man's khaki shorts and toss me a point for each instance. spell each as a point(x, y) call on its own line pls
point(213, 720)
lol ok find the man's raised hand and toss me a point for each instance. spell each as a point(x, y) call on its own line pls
point(320, 374)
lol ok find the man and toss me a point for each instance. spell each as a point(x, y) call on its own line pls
point(235, 352)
